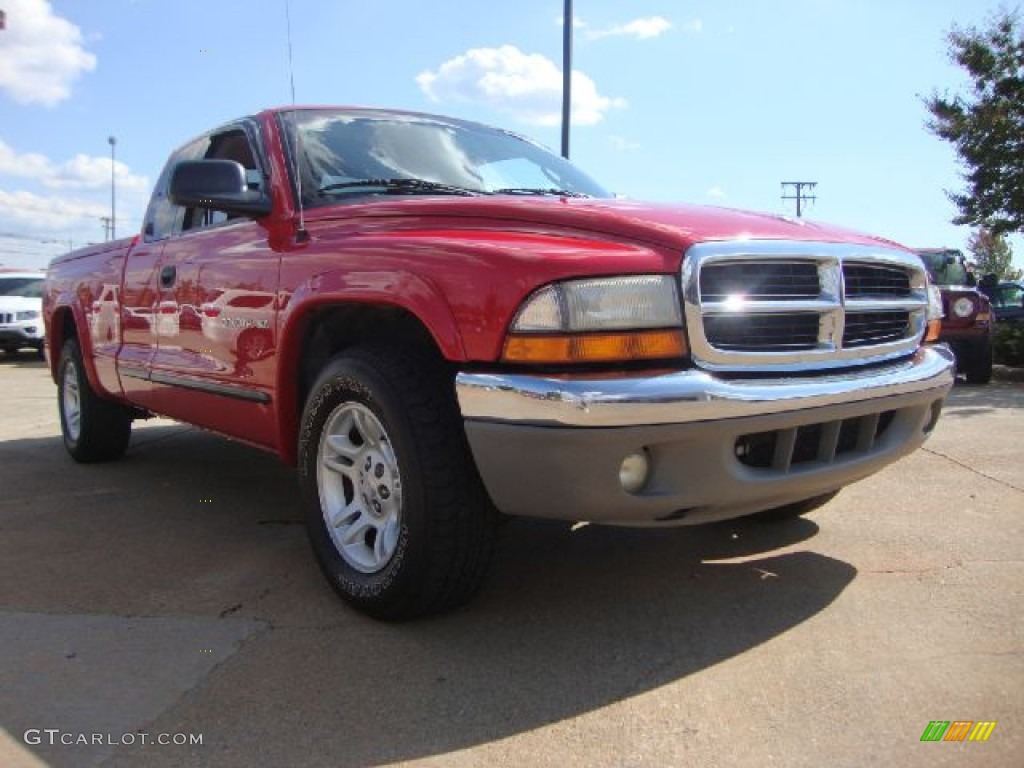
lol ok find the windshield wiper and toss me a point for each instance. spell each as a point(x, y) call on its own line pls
point(537, 191)
point(401, 185)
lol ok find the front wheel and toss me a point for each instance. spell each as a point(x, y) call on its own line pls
point(94, 429)
point(396, 513)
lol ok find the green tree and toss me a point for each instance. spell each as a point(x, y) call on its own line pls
point(992, 254)
point(987, 126)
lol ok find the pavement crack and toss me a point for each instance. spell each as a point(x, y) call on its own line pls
point(230, 610)
point(971, 469)
point(236, 607)
point(917, 571)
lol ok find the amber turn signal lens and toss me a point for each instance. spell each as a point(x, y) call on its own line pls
point(594, 347)
point(934, 330)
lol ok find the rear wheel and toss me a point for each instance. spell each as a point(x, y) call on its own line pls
point(796, 509)
point(979, 371)
point(396, 513)
point(94, 429)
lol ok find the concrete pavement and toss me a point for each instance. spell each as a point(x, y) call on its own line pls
point(172, 594)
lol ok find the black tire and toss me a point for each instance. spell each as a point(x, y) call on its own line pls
point(440, 525)
point(980, 369)
point(796, 509)
point(103, 428)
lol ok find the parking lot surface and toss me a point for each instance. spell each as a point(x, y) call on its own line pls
point(172, 594)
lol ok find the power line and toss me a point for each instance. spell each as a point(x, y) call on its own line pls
point(70, 214)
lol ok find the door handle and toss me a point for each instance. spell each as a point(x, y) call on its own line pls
point(168, 275)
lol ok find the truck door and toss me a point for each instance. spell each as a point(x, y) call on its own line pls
point(140, 289)
point(216, 311)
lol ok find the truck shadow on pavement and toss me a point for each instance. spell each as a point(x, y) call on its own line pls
point(976, 399)
point(568, 623)
point(22, 359)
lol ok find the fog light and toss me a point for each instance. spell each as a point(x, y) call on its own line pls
point(633, 472)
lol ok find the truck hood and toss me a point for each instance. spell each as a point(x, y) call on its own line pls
point(671, 225)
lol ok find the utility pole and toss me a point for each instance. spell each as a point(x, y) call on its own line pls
point(113, 230)
point(107, 221)
point(567, 20)
point(799, 195)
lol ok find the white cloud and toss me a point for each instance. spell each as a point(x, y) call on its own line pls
point(639, 29)
point(577, 22)
point(48, 213)
point(525, 86)
point(80, 172)
point(29, 165)
point(41, 54)
point(61, 202)
point(716, 193)
point(623, 144)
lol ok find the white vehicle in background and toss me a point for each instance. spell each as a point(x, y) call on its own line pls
point(21, 311)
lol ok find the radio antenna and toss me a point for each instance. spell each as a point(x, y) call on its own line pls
point(301, 235)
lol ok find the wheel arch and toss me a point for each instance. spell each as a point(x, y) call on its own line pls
point(65, 323)
point(321, 326)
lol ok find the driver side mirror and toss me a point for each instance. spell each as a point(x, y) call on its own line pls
point(217, 184)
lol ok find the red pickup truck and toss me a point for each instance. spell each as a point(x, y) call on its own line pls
point(438, 322)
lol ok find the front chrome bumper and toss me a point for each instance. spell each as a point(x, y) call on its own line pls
point(551, 447)
point(686, 396)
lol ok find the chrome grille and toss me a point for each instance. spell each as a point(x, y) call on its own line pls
point(6, 317)
point(763, 332)
point(780, 305)
point(777, 280)
point(866, 328)
point(864, 280)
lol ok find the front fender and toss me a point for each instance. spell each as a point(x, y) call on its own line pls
point(410, 292)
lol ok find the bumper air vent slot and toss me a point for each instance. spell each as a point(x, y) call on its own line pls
point(824, 443)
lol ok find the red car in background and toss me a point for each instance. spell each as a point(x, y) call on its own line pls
point(968, 325)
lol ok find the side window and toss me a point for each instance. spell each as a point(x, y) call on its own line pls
point(1008, 296)
point(162, 215)
point(229, 145)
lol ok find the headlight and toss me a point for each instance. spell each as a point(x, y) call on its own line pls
point(611, 319)
point(30, 314)
point(604, 304)
point(963, 307)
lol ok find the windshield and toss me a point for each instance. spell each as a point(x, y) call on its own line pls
point(946, 267)
point(353, 154)
point(29, 287)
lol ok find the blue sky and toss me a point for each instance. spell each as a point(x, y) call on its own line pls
point(711, 102)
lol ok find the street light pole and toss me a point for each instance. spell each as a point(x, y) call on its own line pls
point(566, 75)
point(113, 232)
